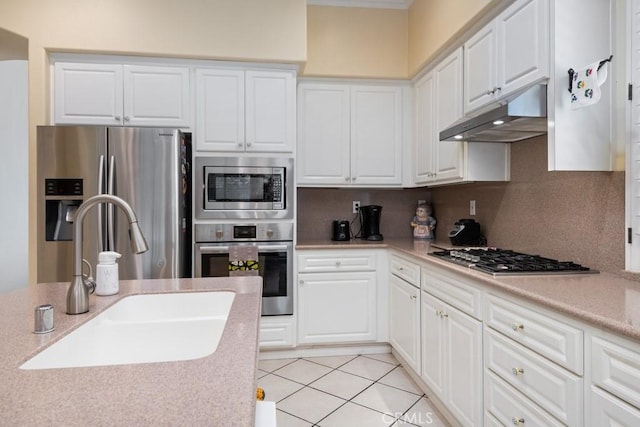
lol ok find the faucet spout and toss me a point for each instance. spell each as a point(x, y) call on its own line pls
point(78, 293)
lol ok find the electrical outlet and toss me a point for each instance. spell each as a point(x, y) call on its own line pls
point(356, 206)
point(472, 207)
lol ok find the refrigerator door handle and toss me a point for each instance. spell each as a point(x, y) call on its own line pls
point(100, 208)
point(111, 244)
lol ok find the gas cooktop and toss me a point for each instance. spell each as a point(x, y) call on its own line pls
point(503, 262)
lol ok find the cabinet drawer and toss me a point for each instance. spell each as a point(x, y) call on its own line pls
point(510, 407)
point(451, 288)
point(275, 333)
point(335, 262)
point(551, 338)
point(556, 390)
point(406, 270)
point(616, 368)
point(607, 410)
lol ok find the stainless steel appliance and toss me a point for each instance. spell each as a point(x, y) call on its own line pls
point(149, 168)
point(370, 222)
point(275, 253)
point(521, 118)
point(243, 187)
point(503, 262)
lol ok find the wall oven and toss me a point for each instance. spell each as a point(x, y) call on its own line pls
point(275, 253)
point(243, 187)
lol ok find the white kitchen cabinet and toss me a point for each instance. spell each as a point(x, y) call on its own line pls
point(404, 311)
point(349, 134)
point(336, 307)
point(276, 332)
point(507, 55)
point(607, 410)
point(438, 103)
point(116, 94)
point(337, 297)
point(245, 110)
point(452, 358)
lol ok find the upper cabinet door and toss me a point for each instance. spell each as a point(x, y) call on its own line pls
point(523, 45)
point(323, 134)
point(270, 111)
point(424, 128)
point(480, 75)
point(376, 135)
point(448, 109)
point(220, 110)
point(88, 94)
point(156, 96)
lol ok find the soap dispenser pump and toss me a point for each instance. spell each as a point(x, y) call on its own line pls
point(107, 273)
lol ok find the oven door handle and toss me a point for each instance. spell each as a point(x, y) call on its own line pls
point(213, 249)
point(272, 248)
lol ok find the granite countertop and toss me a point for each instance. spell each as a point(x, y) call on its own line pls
point(604, 300)
point(215, 390)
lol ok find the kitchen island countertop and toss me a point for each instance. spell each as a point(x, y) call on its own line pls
point(604, 300)
point(215, 390)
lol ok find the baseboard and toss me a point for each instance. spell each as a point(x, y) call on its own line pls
point(324, 350)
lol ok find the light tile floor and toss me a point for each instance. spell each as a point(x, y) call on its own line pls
point(345, 391)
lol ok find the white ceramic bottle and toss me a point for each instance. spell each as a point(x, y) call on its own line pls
point(107, 273)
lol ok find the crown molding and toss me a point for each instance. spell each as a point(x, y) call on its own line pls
point(378, 4)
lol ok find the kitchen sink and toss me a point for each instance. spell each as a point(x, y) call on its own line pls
point(143, 329)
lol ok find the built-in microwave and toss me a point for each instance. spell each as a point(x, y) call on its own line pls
point(243, 187)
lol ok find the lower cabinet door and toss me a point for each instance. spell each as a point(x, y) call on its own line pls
point(464, 366)
point(607, 410)
point(508, 406)
point(336, 307)
point(404, 321)
point(433, 346)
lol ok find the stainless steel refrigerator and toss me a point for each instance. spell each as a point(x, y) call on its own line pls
point(148, 168)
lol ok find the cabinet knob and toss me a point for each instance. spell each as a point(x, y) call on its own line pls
point(517, 371)
point(249, 143)
point(444, 315)
point(301, 282)
point(489, 92)
point(354, 178)
point(517, 421)
point(413, 297)
point(126, 118)
point(346, 178)
point(117, 118)
point(338, 263)
point(517, 327)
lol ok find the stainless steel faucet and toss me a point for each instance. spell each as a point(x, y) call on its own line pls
point(79, 290)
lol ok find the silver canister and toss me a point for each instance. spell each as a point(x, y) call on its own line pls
point(43, 319)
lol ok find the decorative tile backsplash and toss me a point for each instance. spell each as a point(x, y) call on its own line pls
point(577, 216)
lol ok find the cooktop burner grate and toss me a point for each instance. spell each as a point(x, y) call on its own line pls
point(504, 262)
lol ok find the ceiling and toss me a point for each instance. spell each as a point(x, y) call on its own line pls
point(380, 4)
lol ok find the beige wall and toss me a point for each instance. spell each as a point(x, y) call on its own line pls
point(434, 23)
point(356, 42)
point(252, 30)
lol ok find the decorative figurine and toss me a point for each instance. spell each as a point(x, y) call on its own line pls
point(423, 223)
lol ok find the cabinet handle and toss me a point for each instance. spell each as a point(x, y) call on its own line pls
point(498, 89)
point(438, 313)
point(412, 297)
point(517, 327)
point(517, 371)
point(443, 315)
point(489, 92)
point(126, 118)
point(517, 421)
point(117, 118)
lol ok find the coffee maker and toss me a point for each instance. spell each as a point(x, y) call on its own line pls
point(370, 222)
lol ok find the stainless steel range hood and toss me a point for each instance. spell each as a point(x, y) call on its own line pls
point(521, 118)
